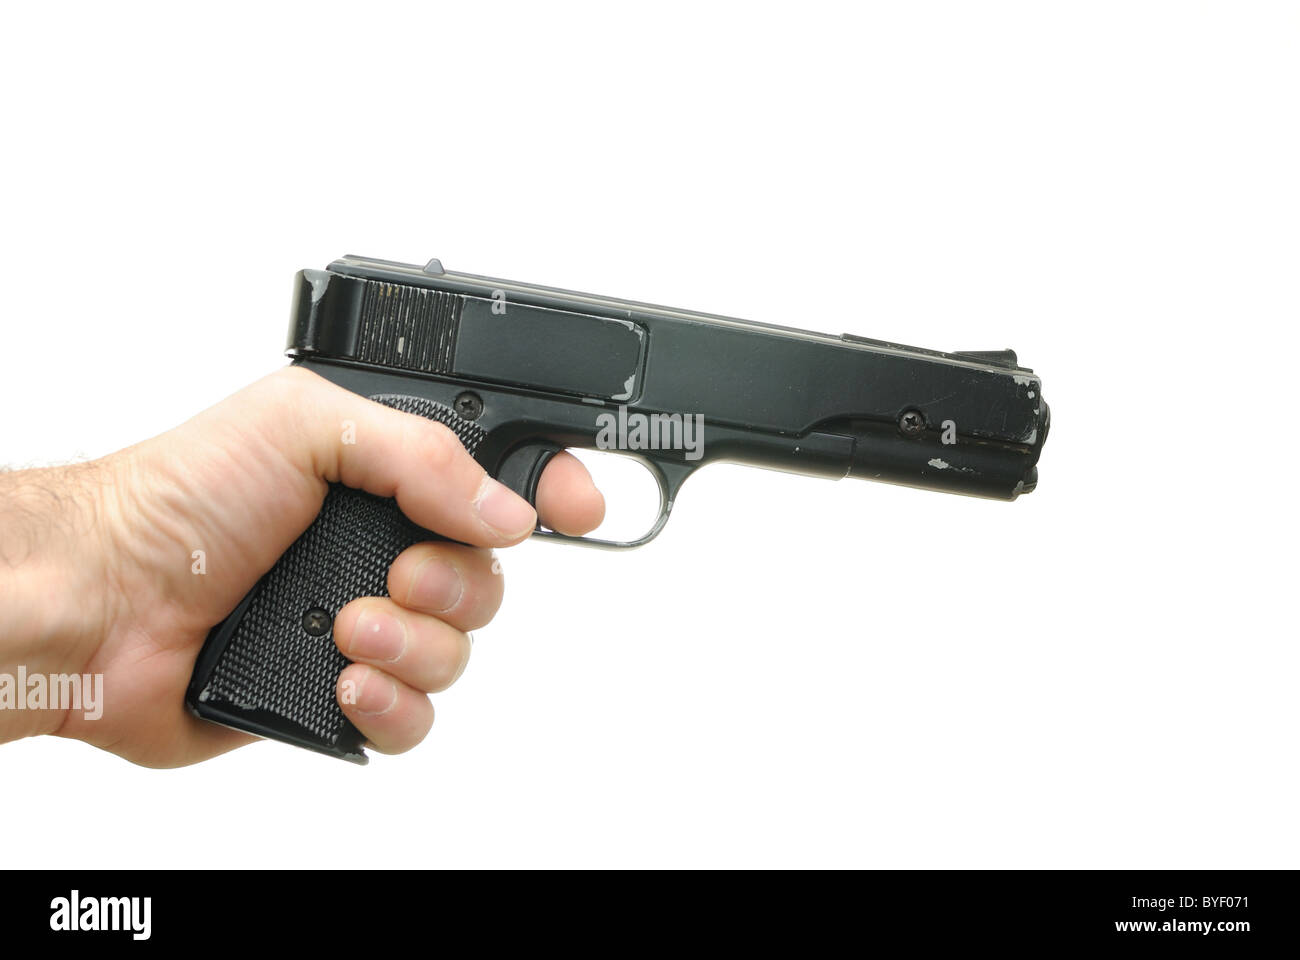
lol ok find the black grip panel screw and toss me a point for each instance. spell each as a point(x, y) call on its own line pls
point(911, 423)
point(469, 405)
point(316, 622)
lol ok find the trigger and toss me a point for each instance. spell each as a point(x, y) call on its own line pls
point(523, 467)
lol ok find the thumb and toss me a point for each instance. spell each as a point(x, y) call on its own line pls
point(420, 462)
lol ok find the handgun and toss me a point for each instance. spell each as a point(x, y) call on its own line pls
point(520, 372)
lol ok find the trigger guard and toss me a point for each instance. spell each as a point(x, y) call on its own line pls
point(522, 468)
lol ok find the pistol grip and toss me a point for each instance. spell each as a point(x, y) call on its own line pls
point(271, 667)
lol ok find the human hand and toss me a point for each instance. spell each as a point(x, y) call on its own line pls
point(97, 560)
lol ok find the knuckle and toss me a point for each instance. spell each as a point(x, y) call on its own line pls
point(442, 676)
point(445, 670)
point(493, 594)
point(440, 445)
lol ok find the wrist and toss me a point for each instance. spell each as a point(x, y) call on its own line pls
point(56, 599)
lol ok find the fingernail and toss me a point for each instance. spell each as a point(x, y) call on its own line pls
point(435, 586)
point(378, 693)
point(503, 510)
point(377, 636)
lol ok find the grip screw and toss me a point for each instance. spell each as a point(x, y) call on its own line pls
point(469, 405)
point(911, 423)
point(316, 622)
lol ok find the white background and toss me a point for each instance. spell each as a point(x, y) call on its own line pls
point(798, 672)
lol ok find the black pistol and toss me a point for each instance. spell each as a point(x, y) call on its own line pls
point(520, 372)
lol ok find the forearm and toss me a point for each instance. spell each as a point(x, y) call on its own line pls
point(54, 599)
